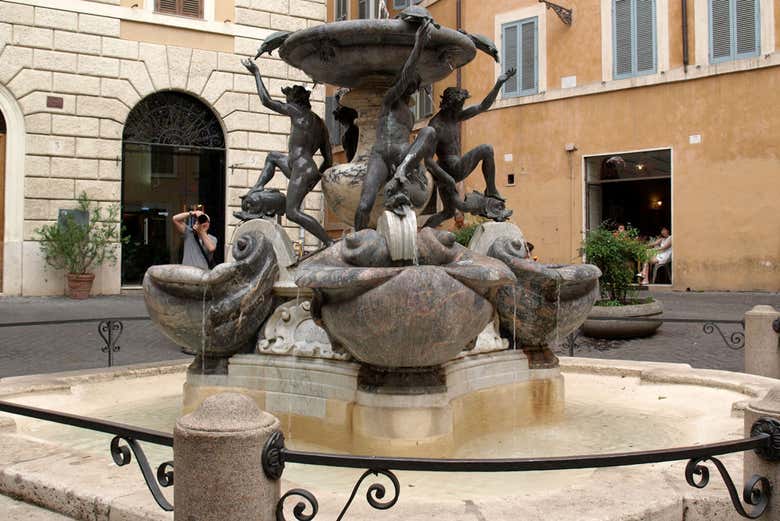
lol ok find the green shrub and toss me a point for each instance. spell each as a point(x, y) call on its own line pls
point(463, 236)
point(78, 248)
point(618, 256)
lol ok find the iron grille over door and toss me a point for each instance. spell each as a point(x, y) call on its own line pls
point(192, 8)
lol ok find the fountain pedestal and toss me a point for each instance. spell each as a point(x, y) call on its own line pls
point(322, 401)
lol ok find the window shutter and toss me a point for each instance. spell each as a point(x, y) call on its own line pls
point(362, 9)
point(167, 6)
point(400, 4)
point(510, 43)
point(645, 35)
point(341, 10)
point(191, 8)
point(624, 37)
point(528, 61)
point(720, 32)
point(746, 26)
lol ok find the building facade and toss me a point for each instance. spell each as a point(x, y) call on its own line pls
point(643, 112)
point(142, 104)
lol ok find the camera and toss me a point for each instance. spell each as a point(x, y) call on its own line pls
point(202, 219)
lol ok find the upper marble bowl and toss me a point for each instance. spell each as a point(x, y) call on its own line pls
point(351, 52)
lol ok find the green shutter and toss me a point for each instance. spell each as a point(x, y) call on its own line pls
point(528, 57)
point(720, 32)
point(624, 37)
point(746, 26)
point(645, 36)
point(510, 42)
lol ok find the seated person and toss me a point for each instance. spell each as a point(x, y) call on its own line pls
point(662, 254)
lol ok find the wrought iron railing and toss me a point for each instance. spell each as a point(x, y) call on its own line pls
point(109, 329)
point(735, 341)
point(764, 439)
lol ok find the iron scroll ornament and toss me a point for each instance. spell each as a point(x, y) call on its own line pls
point(110, 331)
point(736, 341)
point(756, 492)
point(563, 13)
point(121, 456)
point(374, 496)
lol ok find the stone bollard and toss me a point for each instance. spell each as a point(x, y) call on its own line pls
point(762, 349)
point(766, 409)
point(217, 461)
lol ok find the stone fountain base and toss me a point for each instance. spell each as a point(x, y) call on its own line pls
point(325, 401)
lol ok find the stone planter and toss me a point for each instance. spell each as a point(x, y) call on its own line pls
point(623, 329)
point(79, 285)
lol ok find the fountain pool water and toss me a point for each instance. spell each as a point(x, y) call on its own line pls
point(602, 414)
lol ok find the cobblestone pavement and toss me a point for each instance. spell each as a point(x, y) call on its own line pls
point(66, 347)
point(684, 343)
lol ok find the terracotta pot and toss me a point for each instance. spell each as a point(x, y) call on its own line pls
point(79, 285)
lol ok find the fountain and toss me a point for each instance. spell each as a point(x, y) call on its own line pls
point(392, 340)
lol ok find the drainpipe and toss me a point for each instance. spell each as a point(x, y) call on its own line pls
point(685, 34)
point(458, 72)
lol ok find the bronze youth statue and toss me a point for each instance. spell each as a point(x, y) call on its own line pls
point(308, 134)
point(442, 137)
point(393, 129)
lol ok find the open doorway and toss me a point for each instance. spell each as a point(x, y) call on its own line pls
point(633, 189)
point(173, 159)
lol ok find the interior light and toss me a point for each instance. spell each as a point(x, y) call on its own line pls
point(659, 203)
point(640, 167)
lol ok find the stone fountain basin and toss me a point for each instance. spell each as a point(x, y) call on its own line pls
point(392, 316)
point(352, 53)
point(612, 406)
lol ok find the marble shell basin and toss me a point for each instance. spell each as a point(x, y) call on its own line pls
point(350, 52)
point(548, 301)
point(403, 316)
point(214, 313)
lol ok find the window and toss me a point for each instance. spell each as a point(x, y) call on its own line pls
point(368, 9)
point(401, 4)
point(423, 103)
point(734, 29)
point(342, 12)
point(634, 37)
point(192, 8)
point(520, 46)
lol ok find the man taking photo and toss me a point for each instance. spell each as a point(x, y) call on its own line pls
point(199, 246)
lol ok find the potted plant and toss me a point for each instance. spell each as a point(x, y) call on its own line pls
point(79, 246)
point(618, 254)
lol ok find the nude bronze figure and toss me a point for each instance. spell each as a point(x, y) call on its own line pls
point(441, 137)
point(393, 129)
point(308, 135)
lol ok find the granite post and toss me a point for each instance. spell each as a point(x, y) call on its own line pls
point(762, 342)
point(217, 459)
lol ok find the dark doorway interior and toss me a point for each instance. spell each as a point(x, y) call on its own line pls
point(173, 159)
point(631, 189)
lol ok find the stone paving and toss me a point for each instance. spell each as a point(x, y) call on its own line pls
point(13, 510)
point(69, 347)
point(684, 343)
point(66, 347)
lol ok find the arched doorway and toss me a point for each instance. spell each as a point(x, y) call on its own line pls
point(173, 158)
point(2, 196)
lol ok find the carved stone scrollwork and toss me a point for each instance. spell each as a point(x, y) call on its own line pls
point(292, 331)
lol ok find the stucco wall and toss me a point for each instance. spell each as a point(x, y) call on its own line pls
point(101, 69)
